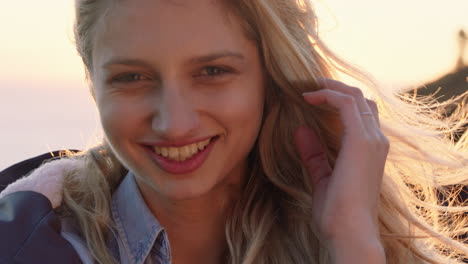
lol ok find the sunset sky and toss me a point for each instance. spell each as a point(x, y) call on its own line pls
point(44, 103)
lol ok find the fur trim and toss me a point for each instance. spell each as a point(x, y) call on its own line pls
point(47, 180)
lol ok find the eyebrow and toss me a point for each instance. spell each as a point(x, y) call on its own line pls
point(215, 56)
point(194, 60)
point(125, 61)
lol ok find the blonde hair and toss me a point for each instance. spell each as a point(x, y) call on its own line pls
point(272, 221)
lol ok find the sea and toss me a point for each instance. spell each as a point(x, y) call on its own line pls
point(39, 117)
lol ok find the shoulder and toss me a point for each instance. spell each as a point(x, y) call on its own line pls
point(30, 227)
point(43, 174)
point(20, 169)
point(31, 230)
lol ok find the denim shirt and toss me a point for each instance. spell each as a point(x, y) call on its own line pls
point(139, 238)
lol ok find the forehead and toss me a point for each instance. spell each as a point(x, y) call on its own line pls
point(146, 28)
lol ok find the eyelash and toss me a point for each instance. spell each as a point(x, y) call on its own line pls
point(129, 78)
point(135, 77)
point(220, 71)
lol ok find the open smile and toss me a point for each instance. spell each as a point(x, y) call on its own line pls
point(184, 159)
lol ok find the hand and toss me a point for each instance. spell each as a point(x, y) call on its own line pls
point(345, 199)
point(47, 180)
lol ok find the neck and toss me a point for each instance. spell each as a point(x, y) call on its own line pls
point(195, 227)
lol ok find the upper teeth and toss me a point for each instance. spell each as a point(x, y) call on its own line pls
point(182, 153)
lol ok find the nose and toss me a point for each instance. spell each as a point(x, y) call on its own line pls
point(175, 117)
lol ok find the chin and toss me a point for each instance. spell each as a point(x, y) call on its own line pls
point(179, 187)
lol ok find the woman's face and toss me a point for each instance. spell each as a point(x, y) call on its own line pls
point(167, 74)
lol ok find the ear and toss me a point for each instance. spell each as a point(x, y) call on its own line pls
point(312, 154)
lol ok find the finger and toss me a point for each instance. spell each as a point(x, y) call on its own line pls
point(375, 110)
point(369, 117)
point(312, 154)
point(346, 105)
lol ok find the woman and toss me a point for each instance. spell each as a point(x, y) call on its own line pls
point(226, 141)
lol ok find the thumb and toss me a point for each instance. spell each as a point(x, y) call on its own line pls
point(312, 154)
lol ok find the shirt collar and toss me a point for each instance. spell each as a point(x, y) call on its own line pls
point(137, 228)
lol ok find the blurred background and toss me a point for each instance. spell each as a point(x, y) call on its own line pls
point(44, 99)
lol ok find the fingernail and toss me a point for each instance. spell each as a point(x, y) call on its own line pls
point(307, 93)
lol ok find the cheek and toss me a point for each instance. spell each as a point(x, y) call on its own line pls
point(120, 118)
point(239, 108)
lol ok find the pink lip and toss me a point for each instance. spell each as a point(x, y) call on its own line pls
point(182, 167)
